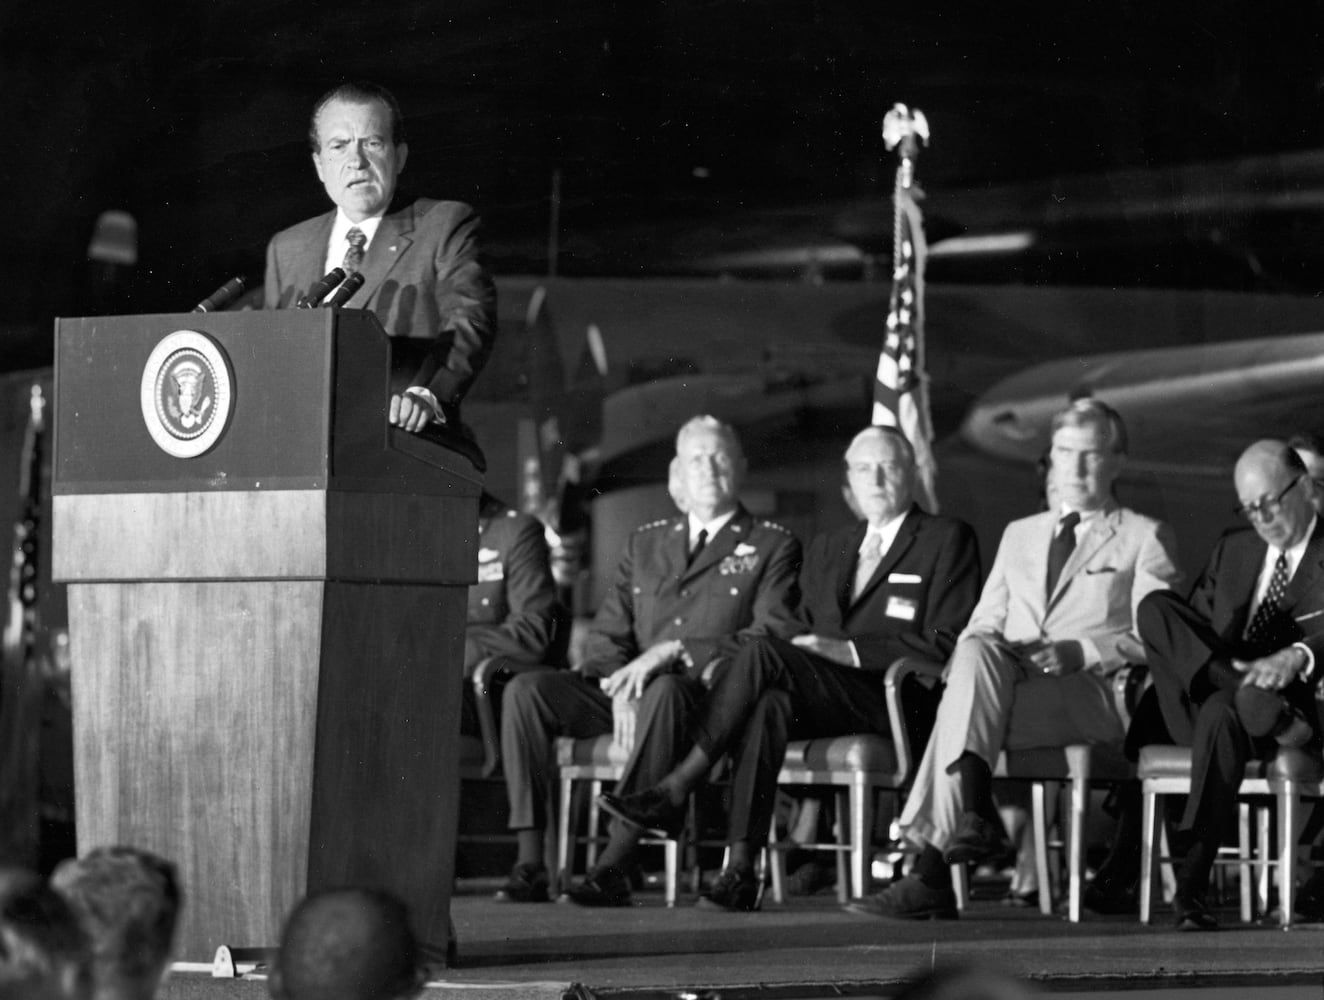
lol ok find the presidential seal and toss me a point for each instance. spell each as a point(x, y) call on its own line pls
point(186, 393)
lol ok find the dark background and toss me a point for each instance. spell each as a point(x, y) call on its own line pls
point(681, 130)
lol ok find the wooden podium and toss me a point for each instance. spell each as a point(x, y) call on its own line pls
point(267, 637)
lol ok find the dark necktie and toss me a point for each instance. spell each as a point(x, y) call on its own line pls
point(1061, 547)
point(354, 255)
point(699, 543)
point(1266, 615)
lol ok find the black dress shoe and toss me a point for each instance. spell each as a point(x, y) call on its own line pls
point(732, 889)
point(528, 883)
point(975, 841)
point(1110, 896)
point(606, 886)
point(907, 899)
point(1192, 913)
point(650, 810)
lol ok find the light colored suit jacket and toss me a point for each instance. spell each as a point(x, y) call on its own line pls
point(1120, 558)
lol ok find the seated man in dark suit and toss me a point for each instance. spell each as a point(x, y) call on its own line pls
point(688, 592)
point(1236, 665)
point(419, 263)
point(1032, 667)
point(898, 583)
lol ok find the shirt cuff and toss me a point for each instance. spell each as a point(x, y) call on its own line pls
point(854, 653)
point(1308, 667)
point(424, 395)
point(1089, 651)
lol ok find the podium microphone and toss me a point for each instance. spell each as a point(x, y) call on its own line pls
point(222, 297)
point(322, 288)
point(346, 291)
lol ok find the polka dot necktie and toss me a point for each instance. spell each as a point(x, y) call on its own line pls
point(1261, 626)
point(354, 255)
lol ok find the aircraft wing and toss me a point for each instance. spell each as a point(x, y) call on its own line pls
point(1188, 409)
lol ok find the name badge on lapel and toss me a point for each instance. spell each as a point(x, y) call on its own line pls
point(903, 608)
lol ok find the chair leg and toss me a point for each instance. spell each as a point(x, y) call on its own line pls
point(1263, 847)
point(1286, 851)
point(960, 886)
point(861, 831)
point(1039, 819)
point(1080, 796)
point(594, 823)
point(1244, 869)
point(671, 851)
point(841, 857)
point(777, 866)
point(1149, 837)
point(565, 845)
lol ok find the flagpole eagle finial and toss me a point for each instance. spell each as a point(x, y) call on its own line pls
point(902, 124)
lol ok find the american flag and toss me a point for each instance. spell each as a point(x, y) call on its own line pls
point(900, 392)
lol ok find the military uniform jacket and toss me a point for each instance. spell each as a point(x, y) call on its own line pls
point(513, 608)
point(742, 584)
point(914, 604)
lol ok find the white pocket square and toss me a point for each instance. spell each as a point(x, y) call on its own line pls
point(903, 578)
point(745, 549)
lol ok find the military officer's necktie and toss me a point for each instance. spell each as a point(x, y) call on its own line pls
point(1061, 547)
point(699, 543)
point(354, 255)
point(871, 554)
point(1261, 626)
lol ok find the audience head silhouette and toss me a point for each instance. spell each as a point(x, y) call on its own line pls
point(127, 901)
point(43, 950)
point(347, 944)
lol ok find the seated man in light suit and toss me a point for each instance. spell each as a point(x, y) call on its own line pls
point(422, 277)
point(687, 593)
point(1056, 617)
point(899, 582)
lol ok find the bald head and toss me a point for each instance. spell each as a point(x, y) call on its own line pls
point(1272, 491)
point(347, 944)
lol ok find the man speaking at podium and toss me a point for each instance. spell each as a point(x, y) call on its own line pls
point(420, 269)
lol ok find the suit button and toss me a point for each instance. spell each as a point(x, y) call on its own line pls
point(486, 602)
point(735, 591)
point(684, 593)
point(680, 621)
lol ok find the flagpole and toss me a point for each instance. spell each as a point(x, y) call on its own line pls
point(901, 383)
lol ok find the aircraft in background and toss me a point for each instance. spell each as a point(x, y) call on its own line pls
point(1198, 375)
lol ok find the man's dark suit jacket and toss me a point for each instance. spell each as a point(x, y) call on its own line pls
point(422, 279)
point(1224, 591)
point(916, 602)
point(514, 612)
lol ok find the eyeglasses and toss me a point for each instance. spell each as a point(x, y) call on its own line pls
point(1268, 507)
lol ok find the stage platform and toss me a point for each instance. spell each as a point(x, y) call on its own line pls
point(810, 948)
